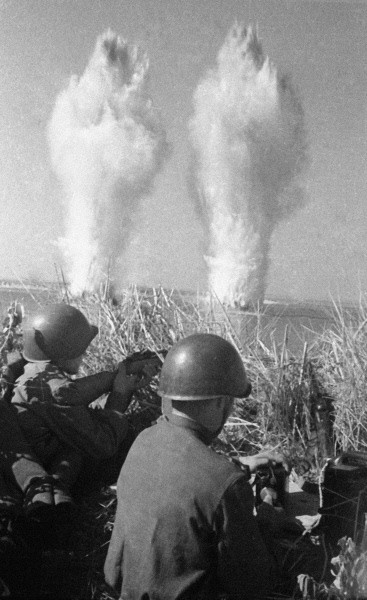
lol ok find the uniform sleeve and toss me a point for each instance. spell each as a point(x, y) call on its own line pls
point(95, 433)
point(83, 391)
point(245, 567)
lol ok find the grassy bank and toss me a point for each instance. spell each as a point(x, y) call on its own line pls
point(306, 405)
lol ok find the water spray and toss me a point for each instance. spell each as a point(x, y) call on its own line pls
point(107, 144)
point(248, 137)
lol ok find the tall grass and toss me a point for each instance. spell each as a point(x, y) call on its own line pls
point(343, 360)
point(295, 398)
point(306, 404)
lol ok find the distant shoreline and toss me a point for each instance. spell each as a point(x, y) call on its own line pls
point(16, 285)
point(289, 303)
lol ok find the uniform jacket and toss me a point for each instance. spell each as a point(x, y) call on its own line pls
point(16, 457)
point(185, 527)
point(53, 409)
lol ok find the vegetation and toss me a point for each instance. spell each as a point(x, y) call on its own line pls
point(306, 405)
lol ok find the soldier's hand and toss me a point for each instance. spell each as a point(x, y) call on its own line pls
point(147, 374)
point(125, 384)
point(128, 384)
point(268, 495)
point(264, 459)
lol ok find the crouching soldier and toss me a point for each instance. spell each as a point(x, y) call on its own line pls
point(54, 410)
point(185, 525)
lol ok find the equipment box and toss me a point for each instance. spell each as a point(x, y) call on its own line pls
point(343, 488)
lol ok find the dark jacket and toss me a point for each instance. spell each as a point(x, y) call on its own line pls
point(53, 410)
point(16, 458)
point(185, 527)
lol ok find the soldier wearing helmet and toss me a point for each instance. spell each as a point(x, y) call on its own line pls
point(185, 524)
point(54, 411)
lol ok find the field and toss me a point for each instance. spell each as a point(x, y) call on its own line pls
point(308, 367)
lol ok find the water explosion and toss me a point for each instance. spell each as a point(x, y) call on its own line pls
point(250, 150)
point(107, 144)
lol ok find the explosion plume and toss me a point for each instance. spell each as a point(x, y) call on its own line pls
point(248, 136)
point(107, 145)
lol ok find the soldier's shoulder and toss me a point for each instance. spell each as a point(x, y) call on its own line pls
point(231, 467)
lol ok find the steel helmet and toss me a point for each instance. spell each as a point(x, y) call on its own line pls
point(203, 366)
point(60, 331)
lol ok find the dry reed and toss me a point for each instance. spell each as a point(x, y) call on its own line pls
point(304, 405)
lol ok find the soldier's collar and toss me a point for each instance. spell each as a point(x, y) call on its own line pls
point(201, 432)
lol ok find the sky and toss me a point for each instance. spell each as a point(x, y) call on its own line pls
point(320, 251)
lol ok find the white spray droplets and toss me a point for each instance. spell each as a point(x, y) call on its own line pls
point(248, 135)
point(107, 144)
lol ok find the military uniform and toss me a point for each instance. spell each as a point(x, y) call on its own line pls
point(18, 540)
point(16, 456)
point(50, 403)
point(58, 424)
point(185, 526)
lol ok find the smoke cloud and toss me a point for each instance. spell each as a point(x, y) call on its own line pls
point(249, 141)
point(107, 144)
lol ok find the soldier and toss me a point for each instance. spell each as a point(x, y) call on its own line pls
point(54, 410)
point(19, 537)
point(185, 525)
